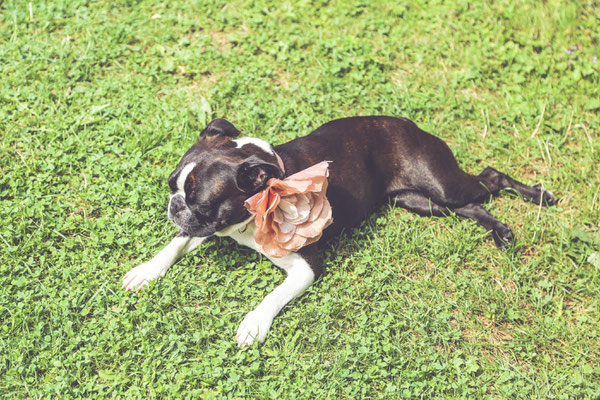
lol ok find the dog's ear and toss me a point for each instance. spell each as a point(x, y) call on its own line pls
point(220, 127)
point(252, 177)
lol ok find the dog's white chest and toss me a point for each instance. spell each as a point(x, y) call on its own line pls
point(245, 235)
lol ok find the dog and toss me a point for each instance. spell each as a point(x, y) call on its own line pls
point(373, 160)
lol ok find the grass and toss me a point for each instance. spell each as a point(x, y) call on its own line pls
point(98, 100)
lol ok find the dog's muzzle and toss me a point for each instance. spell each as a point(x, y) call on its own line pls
point(177, 208)
point(181, 215)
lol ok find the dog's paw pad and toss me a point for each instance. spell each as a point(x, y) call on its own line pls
point(254, 327)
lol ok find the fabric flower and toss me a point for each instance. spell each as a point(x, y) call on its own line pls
point(291, 213)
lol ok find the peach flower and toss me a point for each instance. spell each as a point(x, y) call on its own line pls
point(291, 213)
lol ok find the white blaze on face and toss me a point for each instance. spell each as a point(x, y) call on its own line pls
point(255, 141)
point(183, 174)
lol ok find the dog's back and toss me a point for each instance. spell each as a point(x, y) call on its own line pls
point(377, 158)
point(359, 150)
point(371, 158)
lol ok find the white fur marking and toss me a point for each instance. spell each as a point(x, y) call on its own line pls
point(233, 230)
point(185, 171)
point(244, 235)
point(183, 174)
point(139, 276)
point(255, 141)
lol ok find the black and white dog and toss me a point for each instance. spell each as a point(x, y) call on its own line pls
point(373, 160)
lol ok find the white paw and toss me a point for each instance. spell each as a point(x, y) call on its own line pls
point(255, 326)
point(139, 276)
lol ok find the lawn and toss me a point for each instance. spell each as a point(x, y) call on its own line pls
point(99, 100)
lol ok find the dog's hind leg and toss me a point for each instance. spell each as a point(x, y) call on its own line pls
point(419, 204)
point(495, 181)
point(501, 233)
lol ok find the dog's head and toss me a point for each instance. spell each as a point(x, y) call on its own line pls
point(216, 176)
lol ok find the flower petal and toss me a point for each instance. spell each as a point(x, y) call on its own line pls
point(267, 245)
point(294, 244)
point(310, 179)
point(302, 200)
point(303, 212)
point(315, 171)
point(288, 208)
point(251, 204)
point(273, 200)
point(313, 228)
point(313, 239)
point(266, 223)
point(278, 216)
point(317, 207)
point(281, 235)
point(291, 213)
point(272, 249)
point(286, 227)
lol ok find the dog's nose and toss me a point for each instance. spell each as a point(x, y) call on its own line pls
point(176, 204)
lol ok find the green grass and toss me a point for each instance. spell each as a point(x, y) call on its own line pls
point(99, 99)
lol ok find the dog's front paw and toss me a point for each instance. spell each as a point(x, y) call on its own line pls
point(139, 276)
point(255, 326)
